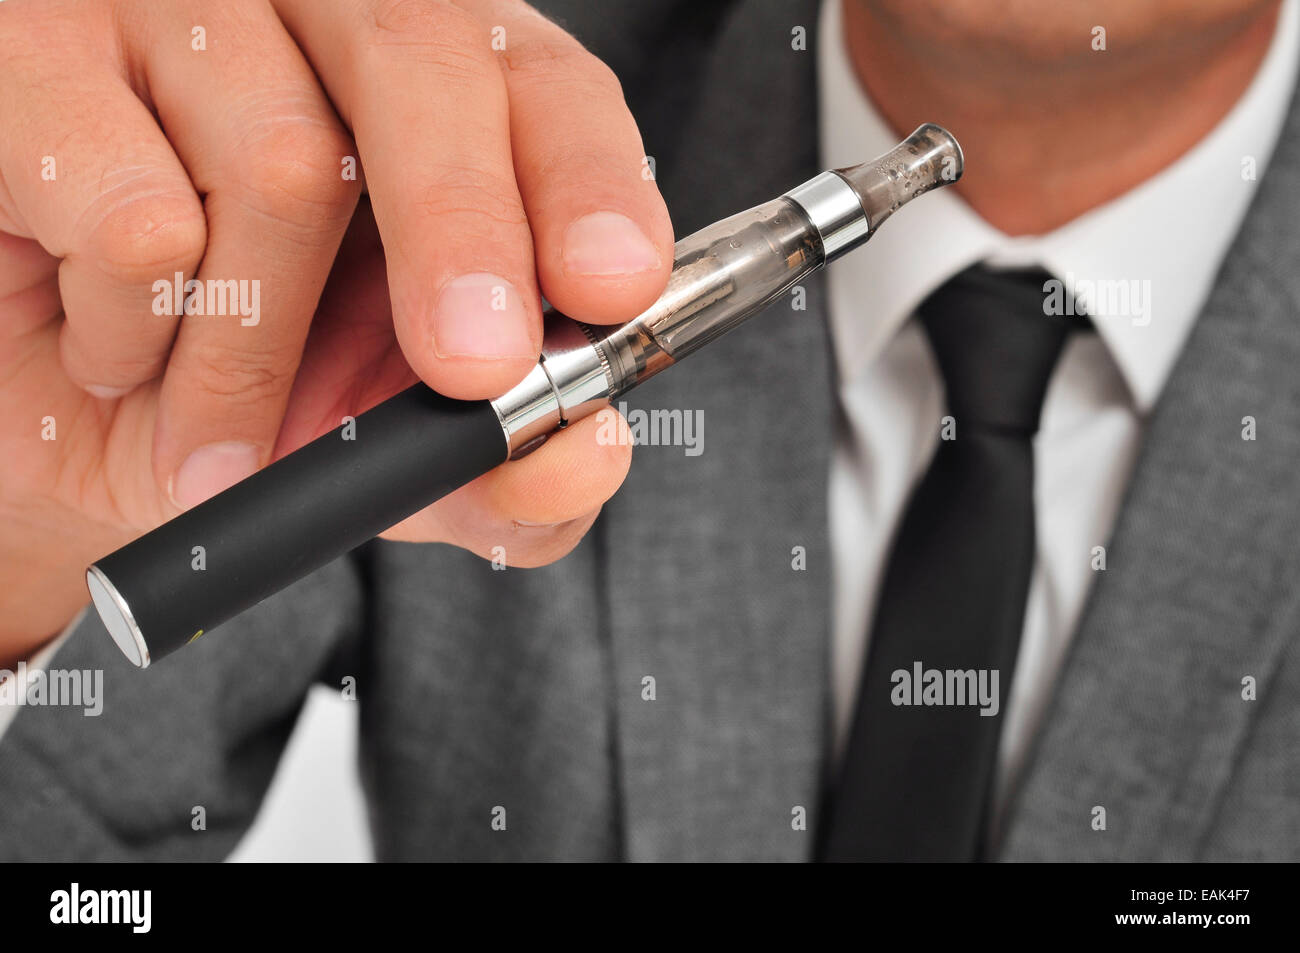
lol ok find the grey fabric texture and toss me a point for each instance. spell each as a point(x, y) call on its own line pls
point(526, 689)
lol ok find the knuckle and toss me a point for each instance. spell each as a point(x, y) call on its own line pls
point(88, 364)
point(293, 170)
point(434, 27)
point(474, 194)
point(145, 237)
point(560, 64)
point(240, 376)
point(27, 33)
point(450, 48)
point(119, 371)
point(407, 18)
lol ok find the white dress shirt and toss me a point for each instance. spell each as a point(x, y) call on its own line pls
point(1173, 230)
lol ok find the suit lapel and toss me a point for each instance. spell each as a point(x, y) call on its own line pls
point(1198, 593)
point(705, 599)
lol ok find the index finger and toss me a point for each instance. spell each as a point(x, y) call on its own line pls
point(502, 183)
point(604, 241)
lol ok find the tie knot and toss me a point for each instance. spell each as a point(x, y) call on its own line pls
point(996, 345)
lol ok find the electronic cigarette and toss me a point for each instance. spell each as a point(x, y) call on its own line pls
point(333, 494)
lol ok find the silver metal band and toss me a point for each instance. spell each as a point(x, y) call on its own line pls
point(835, 211)
point(571, 381)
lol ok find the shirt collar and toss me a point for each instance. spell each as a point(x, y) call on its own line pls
point(1164, 240)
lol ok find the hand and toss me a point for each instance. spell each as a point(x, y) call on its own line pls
point(227, 141)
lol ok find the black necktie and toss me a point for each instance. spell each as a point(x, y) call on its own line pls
point(916, 779)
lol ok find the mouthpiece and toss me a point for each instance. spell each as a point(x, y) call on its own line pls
point(928, 158)
point(846, 206)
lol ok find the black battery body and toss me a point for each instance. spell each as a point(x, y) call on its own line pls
point(299, 513)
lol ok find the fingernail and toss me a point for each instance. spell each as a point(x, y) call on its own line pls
point(209, 470)
point(104, 392)
point(481, 315)
point(607, 243)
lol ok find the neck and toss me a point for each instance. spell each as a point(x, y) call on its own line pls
point(1046, 140)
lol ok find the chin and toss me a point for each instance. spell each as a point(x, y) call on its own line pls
point(1056, 31)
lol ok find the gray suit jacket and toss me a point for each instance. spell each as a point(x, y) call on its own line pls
point(523, 689)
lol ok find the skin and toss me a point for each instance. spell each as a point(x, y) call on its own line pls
point(225, 163)
point(1051, 127)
